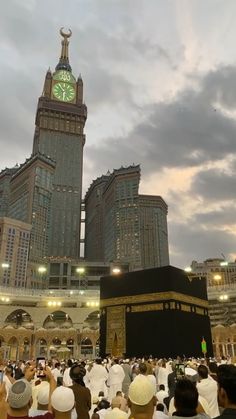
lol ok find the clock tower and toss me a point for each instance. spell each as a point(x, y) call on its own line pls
point(59, 134)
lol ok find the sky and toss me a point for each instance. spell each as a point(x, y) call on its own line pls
point(160, 86)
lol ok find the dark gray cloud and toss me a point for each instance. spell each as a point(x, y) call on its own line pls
point(190, 242)
point(188, 131)
point(215, 185)
point(219, 86)
point(225, 215)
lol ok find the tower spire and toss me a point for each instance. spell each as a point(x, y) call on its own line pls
point(64, 58)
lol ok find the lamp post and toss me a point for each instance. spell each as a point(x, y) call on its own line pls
point(80, 270)
point(42, 270)
point(4, 266)
point(225, 265)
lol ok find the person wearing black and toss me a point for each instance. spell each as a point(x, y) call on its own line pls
point(213, 370)
point(81, 393)
point(172, 380)
point(226, 376)
point(186, 400)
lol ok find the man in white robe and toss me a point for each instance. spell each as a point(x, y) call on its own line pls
point(207, 388)
point(97, 377)
point(115, 379)
point(163, 372)
point(67, 381)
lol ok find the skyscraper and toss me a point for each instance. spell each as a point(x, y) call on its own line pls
point(123, 226)
point(30, 201)
point(14, 249)
point(5, 190)
point(153, 231)
point(59, 134)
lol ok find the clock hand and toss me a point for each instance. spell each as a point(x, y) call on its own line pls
point(63, 94)
point(61, 88)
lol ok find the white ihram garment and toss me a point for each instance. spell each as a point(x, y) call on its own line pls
point(97, 377)
point(162, 377)
point(67, 381)
point(116, 413)
point(115, 379)
point(207, 388)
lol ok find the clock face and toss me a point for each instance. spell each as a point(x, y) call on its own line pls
point(64, 91)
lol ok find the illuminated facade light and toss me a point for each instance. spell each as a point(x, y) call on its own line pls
point(188, 269)
point(80, 270)
point(225, 263)
point(42, 269)
point(92, 304)
point(116, 271)
point(224, 297)
point(5, 265)
point(217, 277)
point(5, 299)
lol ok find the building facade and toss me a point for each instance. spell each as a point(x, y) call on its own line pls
point(54, 325)
point(30, 201)
point(217, 271)
point(123, 226)
point(75, 274)
point(59, 134)
point(222, 309)
point(5, 190)
point(94, 222)
point(153, 231)
point(14, 250)
point(221, 281)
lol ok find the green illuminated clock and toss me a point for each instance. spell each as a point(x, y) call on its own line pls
point(64, 91)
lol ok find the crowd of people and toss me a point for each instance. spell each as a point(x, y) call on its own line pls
point(115, 388)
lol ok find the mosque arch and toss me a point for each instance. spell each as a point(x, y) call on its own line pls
point(26, 349)
point(92, 320)
point(41, 347)
point(70, 343)
point(56, 342)
point(13, 346)
point(19, 318)
point(86, 346)
point(58, 319)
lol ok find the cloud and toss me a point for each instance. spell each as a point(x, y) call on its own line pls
point(187, 131)
point(223, 216)
point(189, 242)
point(215, 185)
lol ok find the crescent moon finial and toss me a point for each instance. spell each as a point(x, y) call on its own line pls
point(64, 34)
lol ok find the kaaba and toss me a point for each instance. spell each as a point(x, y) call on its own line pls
point(161, 312)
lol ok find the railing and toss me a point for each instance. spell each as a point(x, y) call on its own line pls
point(218, 287)
point(47, 293)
